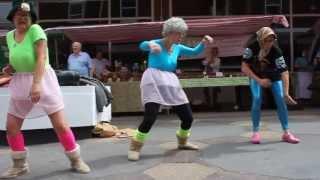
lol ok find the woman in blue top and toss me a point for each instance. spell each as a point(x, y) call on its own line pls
point(160, 85)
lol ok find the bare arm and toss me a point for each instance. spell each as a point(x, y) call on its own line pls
point(285, 80)
point(8, 70)
point(247, 71)
point(286, 83)
point(41, 50)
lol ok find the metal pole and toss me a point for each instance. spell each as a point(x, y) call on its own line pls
point(170, 8)
point(109, 12)
point(161, 10)
point(227, 5)
point(109, 22)
point(37, 6)
point(109, 50)
point(248, 6)
point(56, 52)
point(214, 7)
point(152, 10)
point(101, 8)
point(291, 37)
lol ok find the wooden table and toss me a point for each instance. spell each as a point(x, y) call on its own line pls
point(215, 82)
point(127, 98)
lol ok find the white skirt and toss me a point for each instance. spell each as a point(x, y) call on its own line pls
point(162, 87)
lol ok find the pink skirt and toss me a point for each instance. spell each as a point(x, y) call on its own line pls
point(21, 106)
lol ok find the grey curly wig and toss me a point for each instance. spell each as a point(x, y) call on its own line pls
point(174, 24)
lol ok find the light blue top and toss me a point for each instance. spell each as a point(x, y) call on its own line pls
point(80, 63)
point(168, 61)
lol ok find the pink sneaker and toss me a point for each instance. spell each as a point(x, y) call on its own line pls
point(255, 138)
point(290, 138)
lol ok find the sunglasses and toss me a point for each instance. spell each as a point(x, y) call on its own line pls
point(269, 40)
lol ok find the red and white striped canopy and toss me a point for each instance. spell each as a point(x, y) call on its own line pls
point(230, 32)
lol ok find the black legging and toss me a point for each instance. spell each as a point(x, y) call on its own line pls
point(151, 111)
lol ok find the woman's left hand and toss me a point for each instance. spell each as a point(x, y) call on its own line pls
point(207, 40)
point(289, 100)
point(8, 69)
point(35, 92)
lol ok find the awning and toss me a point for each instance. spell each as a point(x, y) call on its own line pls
point(230, 32)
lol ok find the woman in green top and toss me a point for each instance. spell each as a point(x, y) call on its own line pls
point(34, 90)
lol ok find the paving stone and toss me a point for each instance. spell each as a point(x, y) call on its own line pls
point(180, 171)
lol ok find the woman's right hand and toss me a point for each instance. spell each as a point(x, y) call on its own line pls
point(154, 47)
point(207, 40)
point(265, 82)
point(289, 100)
point(8, 69)
point(35, 92)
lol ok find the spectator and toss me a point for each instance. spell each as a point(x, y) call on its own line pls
point(301, 63)
point(304, 77)
point(99, 64)
point(124, 73)
point(79, 61)
point(106, 74)
point(212, 62)
point(211, 66)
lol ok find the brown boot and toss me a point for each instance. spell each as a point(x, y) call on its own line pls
point(20, 165)
point(134, 151)
point(183, 144)
point(77, 164)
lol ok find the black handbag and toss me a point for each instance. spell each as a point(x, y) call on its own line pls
point(68, 78)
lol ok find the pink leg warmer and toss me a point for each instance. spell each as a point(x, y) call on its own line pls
point(67, 140)
point(16, 142)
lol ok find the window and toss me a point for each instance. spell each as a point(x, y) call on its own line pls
point(273, 6)
point(76, 9)
point(220, 7)
point(128, 8)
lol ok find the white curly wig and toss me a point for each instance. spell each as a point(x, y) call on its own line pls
point(174, 24)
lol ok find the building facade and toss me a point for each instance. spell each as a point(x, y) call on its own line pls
point(302, 14)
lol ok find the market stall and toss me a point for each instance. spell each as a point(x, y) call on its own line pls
point(230, 34)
